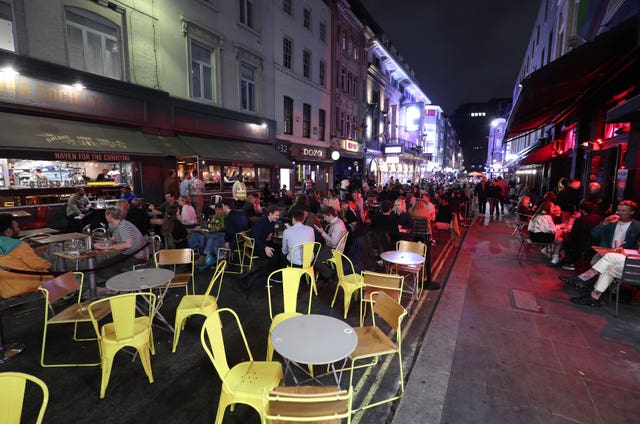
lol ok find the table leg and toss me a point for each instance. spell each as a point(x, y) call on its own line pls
point(92, 278)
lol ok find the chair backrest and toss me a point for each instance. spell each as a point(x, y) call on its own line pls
point(391, 311)
point(412, 246)
point(12, 391)
point(246, 247)
point(631, 270)
point(212, 341)
point(421, 227)
point(217, 276)
point(342, 242)
point(290, 288)
point(174, 257)
point(123, 311)
point(62, 285)
point(338, 258)
point(309, 253)
point(307, 404)
point(385, 283)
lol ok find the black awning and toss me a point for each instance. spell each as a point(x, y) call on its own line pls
point(560, 88)
point(235, 151)
point(627, 111)
point(69, 139)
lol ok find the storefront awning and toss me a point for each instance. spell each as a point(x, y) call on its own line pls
point(73, 140)
point(560, 88)
point(234, 151)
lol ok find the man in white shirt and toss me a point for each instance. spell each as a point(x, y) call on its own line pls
point(334, 232)
point(294, 235)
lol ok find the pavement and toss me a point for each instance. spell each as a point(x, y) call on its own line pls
point(500, 342)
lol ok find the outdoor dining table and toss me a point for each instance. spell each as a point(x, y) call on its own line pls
point(400, 257)
point(37, 232)
point(604, 250)
point(314, 340)
point(19, 214)
point(144, 279)
point(89, 256)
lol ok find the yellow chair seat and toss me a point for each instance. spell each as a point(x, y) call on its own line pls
point(195, 303)
point(140, 330)
point(180, 280)
point(249, 378)
point(372, 342)
point(79, 312)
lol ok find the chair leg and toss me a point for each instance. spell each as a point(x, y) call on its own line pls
point(179, 325)
point(335, 294)
point(107, 362)
point(269, 348)
point(145, 358)
point(222, 406)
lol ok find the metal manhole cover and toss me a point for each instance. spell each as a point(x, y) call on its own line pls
point(526, 301)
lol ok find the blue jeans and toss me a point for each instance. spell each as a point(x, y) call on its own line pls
point(207, 244)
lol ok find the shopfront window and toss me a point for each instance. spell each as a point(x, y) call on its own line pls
point(7, 28)
point(26, 173)
point(211, 175)
point(93, 44)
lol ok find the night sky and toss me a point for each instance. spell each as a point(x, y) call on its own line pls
point(461, 50)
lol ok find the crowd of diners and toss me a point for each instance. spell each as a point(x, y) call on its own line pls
point(571, 224)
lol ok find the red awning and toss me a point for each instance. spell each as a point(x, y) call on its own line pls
point(560, 88)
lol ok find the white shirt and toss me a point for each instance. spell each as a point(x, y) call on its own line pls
point(620, 233)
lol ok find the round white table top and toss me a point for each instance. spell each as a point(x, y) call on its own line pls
point(314, 339)
point(402, 258)
point(140, 279)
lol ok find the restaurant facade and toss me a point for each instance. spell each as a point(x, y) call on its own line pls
point(107, 133)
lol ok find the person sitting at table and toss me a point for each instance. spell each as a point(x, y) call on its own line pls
point(444, 215)
point(332, 235)
point(249, 206)
point(208, 244)
point(158, 211)
point(126, 238)
point(542, 229)
point(235, 221)
point(127, 194)
point(604, 271)
point(576, 242)
point(187, 213)
point(525, 209)
point(619, 230)
point(386, 225)
point(173, 232)
point(296, 234)
point(402, 216)
point(139, 217)
point(77, 210)
point(123, 205)
point(17, 254)
point(300, 201)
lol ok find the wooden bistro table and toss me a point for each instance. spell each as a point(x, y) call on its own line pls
point(604, 250)
point(89, 256)
point(314, 340)
point(36, 232)
point(19, 214)
point(144, 279)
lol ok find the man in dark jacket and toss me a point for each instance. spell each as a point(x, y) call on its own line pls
point(569, 198)
point(578, 240)
point(235, 221)
point(619, 230)
point(482, 191)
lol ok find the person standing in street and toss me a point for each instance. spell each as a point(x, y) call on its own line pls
point(196, 190)
point(239, 190)
point(184, 184)
point(171, 184)
point(482, 191)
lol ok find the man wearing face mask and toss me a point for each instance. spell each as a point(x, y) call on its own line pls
point(18, 255)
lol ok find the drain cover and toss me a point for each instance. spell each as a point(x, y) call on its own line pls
point(526, 300)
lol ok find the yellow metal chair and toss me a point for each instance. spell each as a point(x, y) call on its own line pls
point(309, 255)
point(373, 342)
point(326, 404)
point(12, 392)
point(245, 246)
point(201, 304)
point(417, 271)
point(391, 284)
point(290, 287)
point(53, 291)
point(127, 329)
point(350, 283)
point(342, 242)
point(175, 257)
point(244, 382)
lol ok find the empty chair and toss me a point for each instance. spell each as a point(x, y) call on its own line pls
point(290, 287)
point(350, 283)
point(391, 284)
point(53, 291)
point(174, 258)
point(417, 270)
point(127, 329)
point(373, 342)
point(326, 404)
point(245, 382)
point(245, 246)
point(630, 275)
point(12, 393)
point(200, 304)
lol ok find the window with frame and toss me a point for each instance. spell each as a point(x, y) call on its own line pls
point(287, 50)
point(7, 36)
point(322, 29)
point(348, 125)
point(322, 122)
point(247, 87)
point(93, 43)
point(343, 80)
point(201, 72)
point(342, 124)
point(306, 120)
point(286, 7)
point(247, 10)
point(306, 18)
point(306, 63)
point(287, 116)
point(322, 73)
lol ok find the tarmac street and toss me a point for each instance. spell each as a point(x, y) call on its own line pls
point(499, 343)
